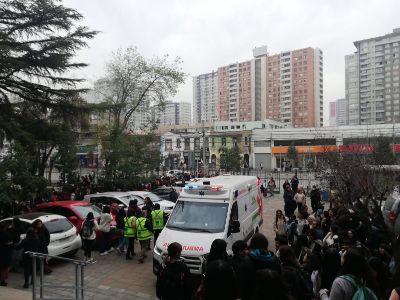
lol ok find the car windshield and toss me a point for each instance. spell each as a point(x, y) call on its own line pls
point(58, 225)
point(198, 216)
point(82, 211)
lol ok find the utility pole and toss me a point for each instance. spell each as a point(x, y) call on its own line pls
point(204, 149)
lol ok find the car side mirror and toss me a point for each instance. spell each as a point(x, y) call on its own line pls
point(234, 227)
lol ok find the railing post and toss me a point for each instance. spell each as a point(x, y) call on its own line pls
point(41, 277)
point(76, 282)
point(82, 282)
point(33, 277)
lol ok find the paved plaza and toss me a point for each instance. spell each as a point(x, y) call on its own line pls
point(112, 275)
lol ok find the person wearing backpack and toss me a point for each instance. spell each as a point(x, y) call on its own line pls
point(356, 281)
point(173, 278)
point(88, 233)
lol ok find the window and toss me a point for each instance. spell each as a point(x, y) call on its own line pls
point(212, 142)
point(223, 141)
point(187, 144)
point(168, 144)
point(178, 143)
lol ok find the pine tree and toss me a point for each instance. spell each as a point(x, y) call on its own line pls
point(38, 41)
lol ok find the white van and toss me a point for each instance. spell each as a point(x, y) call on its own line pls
point(225, 207)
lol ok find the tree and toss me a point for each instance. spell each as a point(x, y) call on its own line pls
point(134, 82)
point(38, 41)
point(230, 159)
point(292, 154)
point(130, 157)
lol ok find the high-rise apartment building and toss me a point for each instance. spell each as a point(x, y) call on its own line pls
point(286, 87)
point(234, 92)
point(295, 87)
point(205, 97)
point(373, 80)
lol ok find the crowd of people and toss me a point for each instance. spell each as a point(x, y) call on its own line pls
point(329, 251)
point(13, 248)
point(337, 253)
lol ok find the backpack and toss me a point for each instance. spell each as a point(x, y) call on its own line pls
point(362, 291)
point(304, 285)
point(170, 282)
point(87, 229)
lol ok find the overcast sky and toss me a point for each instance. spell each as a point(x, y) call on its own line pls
point(207, 34)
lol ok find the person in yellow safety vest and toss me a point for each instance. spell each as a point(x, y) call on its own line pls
point(157, 218)
point(130, 234)
point(144, 232)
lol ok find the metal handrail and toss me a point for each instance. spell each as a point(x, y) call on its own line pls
point(43, 255)
point(78, 286)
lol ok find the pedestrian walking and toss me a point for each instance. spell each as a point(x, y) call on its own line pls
point(217, 251)
point(290, 205)
point(130, 234)
point(144, 231)
point(158, 220)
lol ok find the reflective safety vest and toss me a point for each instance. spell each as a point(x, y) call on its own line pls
point(129, 229)
point(157, 217)
point(142, 232)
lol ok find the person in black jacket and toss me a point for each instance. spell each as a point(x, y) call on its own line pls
point(30, 243)
point(290, 205)
point(6, 250)
point(44, 241)
point(243, 268)
point(173, 278)
point(315, 197)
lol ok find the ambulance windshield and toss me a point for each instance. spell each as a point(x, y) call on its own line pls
point(198, 216)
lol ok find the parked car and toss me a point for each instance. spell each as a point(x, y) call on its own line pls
point(74, 211)
point(164, 192)
point(120, 199)
point(391, 211)
point(165, 205)
point(64, 238)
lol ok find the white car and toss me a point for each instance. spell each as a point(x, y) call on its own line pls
point(165, 205)
point(64, 238)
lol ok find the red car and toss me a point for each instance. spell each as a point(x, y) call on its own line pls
point(74, 211)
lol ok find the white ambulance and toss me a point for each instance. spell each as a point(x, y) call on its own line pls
point(225, 207)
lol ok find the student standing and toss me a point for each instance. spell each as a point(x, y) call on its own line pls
point(88, 233)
